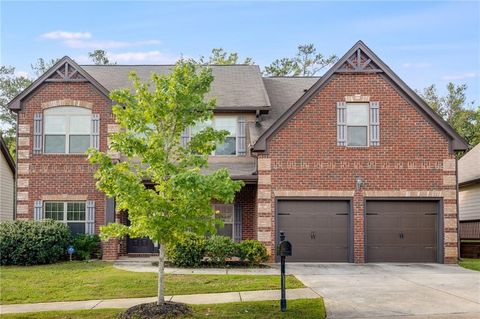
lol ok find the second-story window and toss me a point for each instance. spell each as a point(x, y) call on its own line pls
point(67, 130)
point(222, 122)
point(357, 124)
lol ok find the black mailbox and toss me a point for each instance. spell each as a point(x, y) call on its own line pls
point(284, 248)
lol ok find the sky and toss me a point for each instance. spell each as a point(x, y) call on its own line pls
point(424, 42)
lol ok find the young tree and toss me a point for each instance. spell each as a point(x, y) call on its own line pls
point(462, 116)
point(41, 66)
point(153, 119)
point(99, 57)
point(307, 62)
point(220, 56)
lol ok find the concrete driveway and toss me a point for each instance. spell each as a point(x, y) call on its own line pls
point(393, 290)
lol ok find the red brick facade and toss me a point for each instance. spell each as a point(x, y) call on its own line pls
point(413, 156)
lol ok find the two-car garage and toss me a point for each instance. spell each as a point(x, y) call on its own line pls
point(321, 230)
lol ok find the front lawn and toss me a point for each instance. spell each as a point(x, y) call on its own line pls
point(296, 309)
point(100, 280)
point(470, 263)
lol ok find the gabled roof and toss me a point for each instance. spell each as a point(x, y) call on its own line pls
point(65, 70)
point(235, 87)
point(469, 166)
point(360, 59)
point(6, 154)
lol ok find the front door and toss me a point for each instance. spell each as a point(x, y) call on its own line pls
point(140, 245)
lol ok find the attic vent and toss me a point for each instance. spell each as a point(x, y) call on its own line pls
point(359, 62)
point(66, 73)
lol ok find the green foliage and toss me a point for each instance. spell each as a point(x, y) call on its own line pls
point(462, 116)
point(99, 57)
point(32, 243)
point(219, 56)
point(86, 246)
point(252, 251)
point(187, 251)
point(220, 248)
point(307, 62)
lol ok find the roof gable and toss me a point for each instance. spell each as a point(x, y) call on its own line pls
point(360, 59)
point(65, 70)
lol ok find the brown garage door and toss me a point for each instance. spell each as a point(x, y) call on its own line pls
point(318, 230)
point(401, 231)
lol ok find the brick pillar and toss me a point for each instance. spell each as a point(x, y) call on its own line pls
point(450, 213)
point(265, 216)
point(111, 249)
point(358, 227)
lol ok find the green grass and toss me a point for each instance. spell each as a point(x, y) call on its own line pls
point(301, 308)
point(100, 280)
point(470, 263)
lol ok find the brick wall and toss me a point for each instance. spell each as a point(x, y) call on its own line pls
point(59, 177)
point(303, 155)
point(246, 198)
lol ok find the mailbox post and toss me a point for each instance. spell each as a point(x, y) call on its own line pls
point(284, 249)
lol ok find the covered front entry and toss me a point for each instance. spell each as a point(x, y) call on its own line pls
point(402, 231)
point(318, 229)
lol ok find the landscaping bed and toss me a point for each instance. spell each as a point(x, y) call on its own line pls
point(77, 280)
point(301, 308)
point(470, 263)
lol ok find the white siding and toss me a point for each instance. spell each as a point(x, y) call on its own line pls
point(469, 202)
point(6, 190)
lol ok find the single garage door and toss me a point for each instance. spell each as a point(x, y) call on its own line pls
point(401, 231)
point(317, 229)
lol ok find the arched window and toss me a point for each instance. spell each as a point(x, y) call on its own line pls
point(67, 129)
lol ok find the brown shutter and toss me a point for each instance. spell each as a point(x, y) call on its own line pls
point(95, 136)
point(37, 210)
point(341, 123)
point(237, 223)
point(90, 218)
point(241, 136)
point(37, 133)
point(374, 124)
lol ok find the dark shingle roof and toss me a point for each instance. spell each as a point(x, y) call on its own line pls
point(233, 85)
point(283, 92)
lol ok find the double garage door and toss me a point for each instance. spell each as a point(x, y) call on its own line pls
point(395, 231)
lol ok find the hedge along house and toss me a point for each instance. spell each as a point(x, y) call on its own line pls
point(353, 166)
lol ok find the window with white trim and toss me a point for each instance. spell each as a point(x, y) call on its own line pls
point(70, 213)
point(357, 124)
point(222, 122)
point(227, 215)
point(67, 130)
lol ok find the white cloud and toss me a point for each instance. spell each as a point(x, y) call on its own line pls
point(460, 76)
point(143, 57)
point(65, 35)
point(23, 73)
point(416, 65)
point(109, 44)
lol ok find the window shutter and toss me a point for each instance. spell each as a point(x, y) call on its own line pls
point(37, 210)
point(237, 223)
point(37, 133)
point(90, 218)
point(241, 136)
point(341, 123)
point(374, 124)
point(95, 135)
point(110, 210)
point(185, 136)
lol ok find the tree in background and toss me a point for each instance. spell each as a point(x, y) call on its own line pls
point(220, 56)
point(152, 122)
point(41, 66)
point(307, 62)
point(452, 107)
point(99, 57)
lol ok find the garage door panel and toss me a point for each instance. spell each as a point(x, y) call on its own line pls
point(317, 229)
point(401, 231)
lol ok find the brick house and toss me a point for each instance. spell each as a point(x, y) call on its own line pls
point(353, 165)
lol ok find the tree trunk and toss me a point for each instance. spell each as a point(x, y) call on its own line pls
point(161, 275)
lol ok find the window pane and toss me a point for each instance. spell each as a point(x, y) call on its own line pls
point(76, 228)
point(54, 210)
point(75, 211)
point(226, 230)
point(80, 124)
point(55, 124)
point(227, 148)
point(357, 114)
point(226, 123)
point(357, 136)
point(54, 143)
point(79, 143)
point(68, 110)
point(200, 126)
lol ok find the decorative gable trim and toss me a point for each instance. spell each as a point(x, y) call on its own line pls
point(64, 71)
point(365, 61)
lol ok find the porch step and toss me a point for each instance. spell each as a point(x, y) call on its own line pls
point(137, 261)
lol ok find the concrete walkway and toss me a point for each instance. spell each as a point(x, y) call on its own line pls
point(216, 298)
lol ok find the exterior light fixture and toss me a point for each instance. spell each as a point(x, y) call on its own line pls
point(359, 183)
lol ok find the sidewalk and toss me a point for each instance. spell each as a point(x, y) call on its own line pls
point(258, 295)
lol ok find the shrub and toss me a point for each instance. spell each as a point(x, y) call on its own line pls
point(31, 242)
point(86, 246)
point(252, 251)
point(188, 251)
point(220, 248)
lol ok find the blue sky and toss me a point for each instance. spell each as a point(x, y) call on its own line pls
point(423, 42)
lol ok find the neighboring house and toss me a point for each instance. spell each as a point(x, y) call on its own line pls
point(353, 165)
point(7, 183)
point(469, 202)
